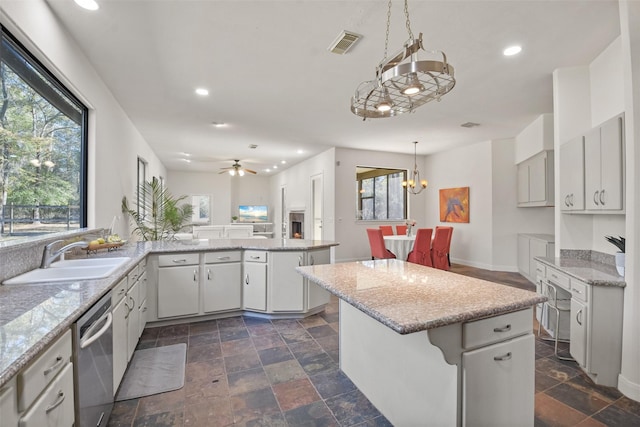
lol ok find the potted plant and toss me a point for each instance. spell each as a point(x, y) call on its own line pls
point(234, 219)
point(159, 215)
point(618, 242)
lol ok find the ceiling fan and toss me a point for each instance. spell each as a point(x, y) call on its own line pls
point(236, 169)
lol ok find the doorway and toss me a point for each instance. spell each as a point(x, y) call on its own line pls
point(316, 207)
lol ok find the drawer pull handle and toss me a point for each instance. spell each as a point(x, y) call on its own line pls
point(122, 291)
point(224, 258)
point(57, 403)
point(502, 358)
point(579, 317)
point(208, 274)
point(54, 366)
point(503, 329)
point(577, 291)
point(179, 261)
point(254, 257)
point(246, 280)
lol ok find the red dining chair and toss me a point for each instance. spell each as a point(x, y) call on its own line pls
point(387, 230)
point(421, 253)
point(401, 229)
point(440, 247)
point(376, 242)
point(448, 243)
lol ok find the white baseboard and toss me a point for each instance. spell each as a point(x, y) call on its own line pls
point(628, 388)
point(491, 267)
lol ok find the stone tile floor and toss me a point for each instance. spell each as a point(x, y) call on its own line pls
point(252, 372)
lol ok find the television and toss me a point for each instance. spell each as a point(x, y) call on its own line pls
point(253, 213)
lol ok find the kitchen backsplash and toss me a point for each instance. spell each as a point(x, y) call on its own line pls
point(588, 255)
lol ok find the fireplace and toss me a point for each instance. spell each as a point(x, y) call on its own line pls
point(296, 224)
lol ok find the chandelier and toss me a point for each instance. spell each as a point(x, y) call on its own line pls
point(403, 82)
point(415, 180)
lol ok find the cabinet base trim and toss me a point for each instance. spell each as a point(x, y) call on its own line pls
point(629, 388)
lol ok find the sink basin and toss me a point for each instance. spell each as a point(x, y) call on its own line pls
point(70, 270)
point(90, 262)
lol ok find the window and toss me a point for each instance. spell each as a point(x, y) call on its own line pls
point(381, 195)
point(43, 148)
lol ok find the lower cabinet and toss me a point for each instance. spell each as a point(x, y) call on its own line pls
point(286, 285)
point(498, 383)
point(41, 394)
point(578, 333)
point(254, 281)
point(221, 289)
point(531, 246)
point(178, 285)
point(120, 341)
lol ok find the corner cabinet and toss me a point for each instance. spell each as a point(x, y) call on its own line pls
point(603, 166)
point(535, 181)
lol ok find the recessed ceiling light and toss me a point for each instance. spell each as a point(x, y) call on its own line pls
point(202, 91)
point(88, 4)
point(267, 170)
point(284, 162)
point(186, 160)
point(219, 124)
point(275, 166)
point(512, 50)
point(300, 151)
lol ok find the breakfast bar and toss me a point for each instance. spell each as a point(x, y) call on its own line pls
point(426, 344)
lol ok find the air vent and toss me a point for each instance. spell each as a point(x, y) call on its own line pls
point(470, 125)
point(344, 42)
point(253, 146)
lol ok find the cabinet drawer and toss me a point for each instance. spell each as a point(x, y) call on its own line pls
point(177, 259)
point(255, 256)
point(558, 279)
point(133, 275)
point(118, 291)
point(541, 271)
point(55, 405)
point(580, 290)
point(33, 379)
point(495, 329)
point(219, 257)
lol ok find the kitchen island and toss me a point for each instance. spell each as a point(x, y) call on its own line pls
point(430, 347)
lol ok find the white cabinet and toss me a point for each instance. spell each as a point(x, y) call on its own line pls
point(222, 288)
point(142, 306)
point(133, 318)
point(535, 181)
point(531, 246)
point(498, 383)
point(317, 296)
point(45, 395)
point(572, 175)
point(254, 282)
point(120, 341)
point(578, 335)
point(178, 285)
point(603, 166)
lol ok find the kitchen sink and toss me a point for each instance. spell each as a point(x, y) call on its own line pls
point(71, 270)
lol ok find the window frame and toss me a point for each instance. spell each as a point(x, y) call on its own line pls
point(372, 172)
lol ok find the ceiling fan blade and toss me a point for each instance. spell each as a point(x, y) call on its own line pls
point(250, 171)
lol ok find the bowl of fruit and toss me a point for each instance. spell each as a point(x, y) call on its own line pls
point(112, 242)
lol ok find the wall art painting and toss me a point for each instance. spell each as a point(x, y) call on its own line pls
point(454, 204)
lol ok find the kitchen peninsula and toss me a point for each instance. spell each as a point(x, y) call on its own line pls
point(426, 344)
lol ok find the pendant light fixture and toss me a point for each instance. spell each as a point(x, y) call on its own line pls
point(415, 181)
point(403, 82)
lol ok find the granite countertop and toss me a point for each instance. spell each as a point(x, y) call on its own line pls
point(32, 316)
point(409, 297)
point(590, 271)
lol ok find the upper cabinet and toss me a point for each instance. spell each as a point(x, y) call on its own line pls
point(603, 166)
point(572, 175)
point(592, 170)
point(535, 181)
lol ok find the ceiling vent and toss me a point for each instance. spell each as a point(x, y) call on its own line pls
point(253, 146)
point(344, 42)
point(470, 125)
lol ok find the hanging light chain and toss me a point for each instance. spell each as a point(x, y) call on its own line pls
point(386, 40)
point(406, 13)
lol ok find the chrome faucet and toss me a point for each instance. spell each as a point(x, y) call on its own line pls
point(48, 257)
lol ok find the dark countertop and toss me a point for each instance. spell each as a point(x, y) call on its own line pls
point(34, 315)
point(409, 297)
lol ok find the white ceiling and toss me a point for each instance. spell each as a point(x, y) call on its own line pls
point(275, 84)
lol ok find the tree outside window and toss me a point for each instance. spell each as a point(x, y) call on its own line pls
point(380, 194)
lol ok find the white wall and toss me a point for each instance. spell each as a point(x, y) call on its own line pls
point(350, 232)
point(535, 138)
point(607, 83)
point(114, 143)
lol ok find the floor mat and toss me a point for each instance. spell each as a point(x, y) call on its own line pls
point(154, 370)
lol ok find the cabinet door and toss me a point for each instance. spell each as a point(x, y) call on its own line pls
point(133, 318)
point(9, 404)
point(120, 337)
point(572, 175)
point(222, 288)
point(592, 169)
point(254, 286)
point(317, 296)
point(54, 407)
point(578, 334)
point(538, 178)
point(498, 384)
point(142, 305)
point(142, 317)
point(178, 291)
point(611, 164)
point(523, 182)
point(286, 285)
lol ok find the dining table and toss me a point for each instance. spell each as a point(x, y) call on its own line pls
point(400, 245)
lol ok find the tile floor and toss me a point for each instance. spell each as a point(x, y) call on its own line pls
point(251, 372)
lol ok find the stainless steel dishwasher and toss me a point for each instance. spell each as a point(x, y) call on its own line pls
point(93, 365)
